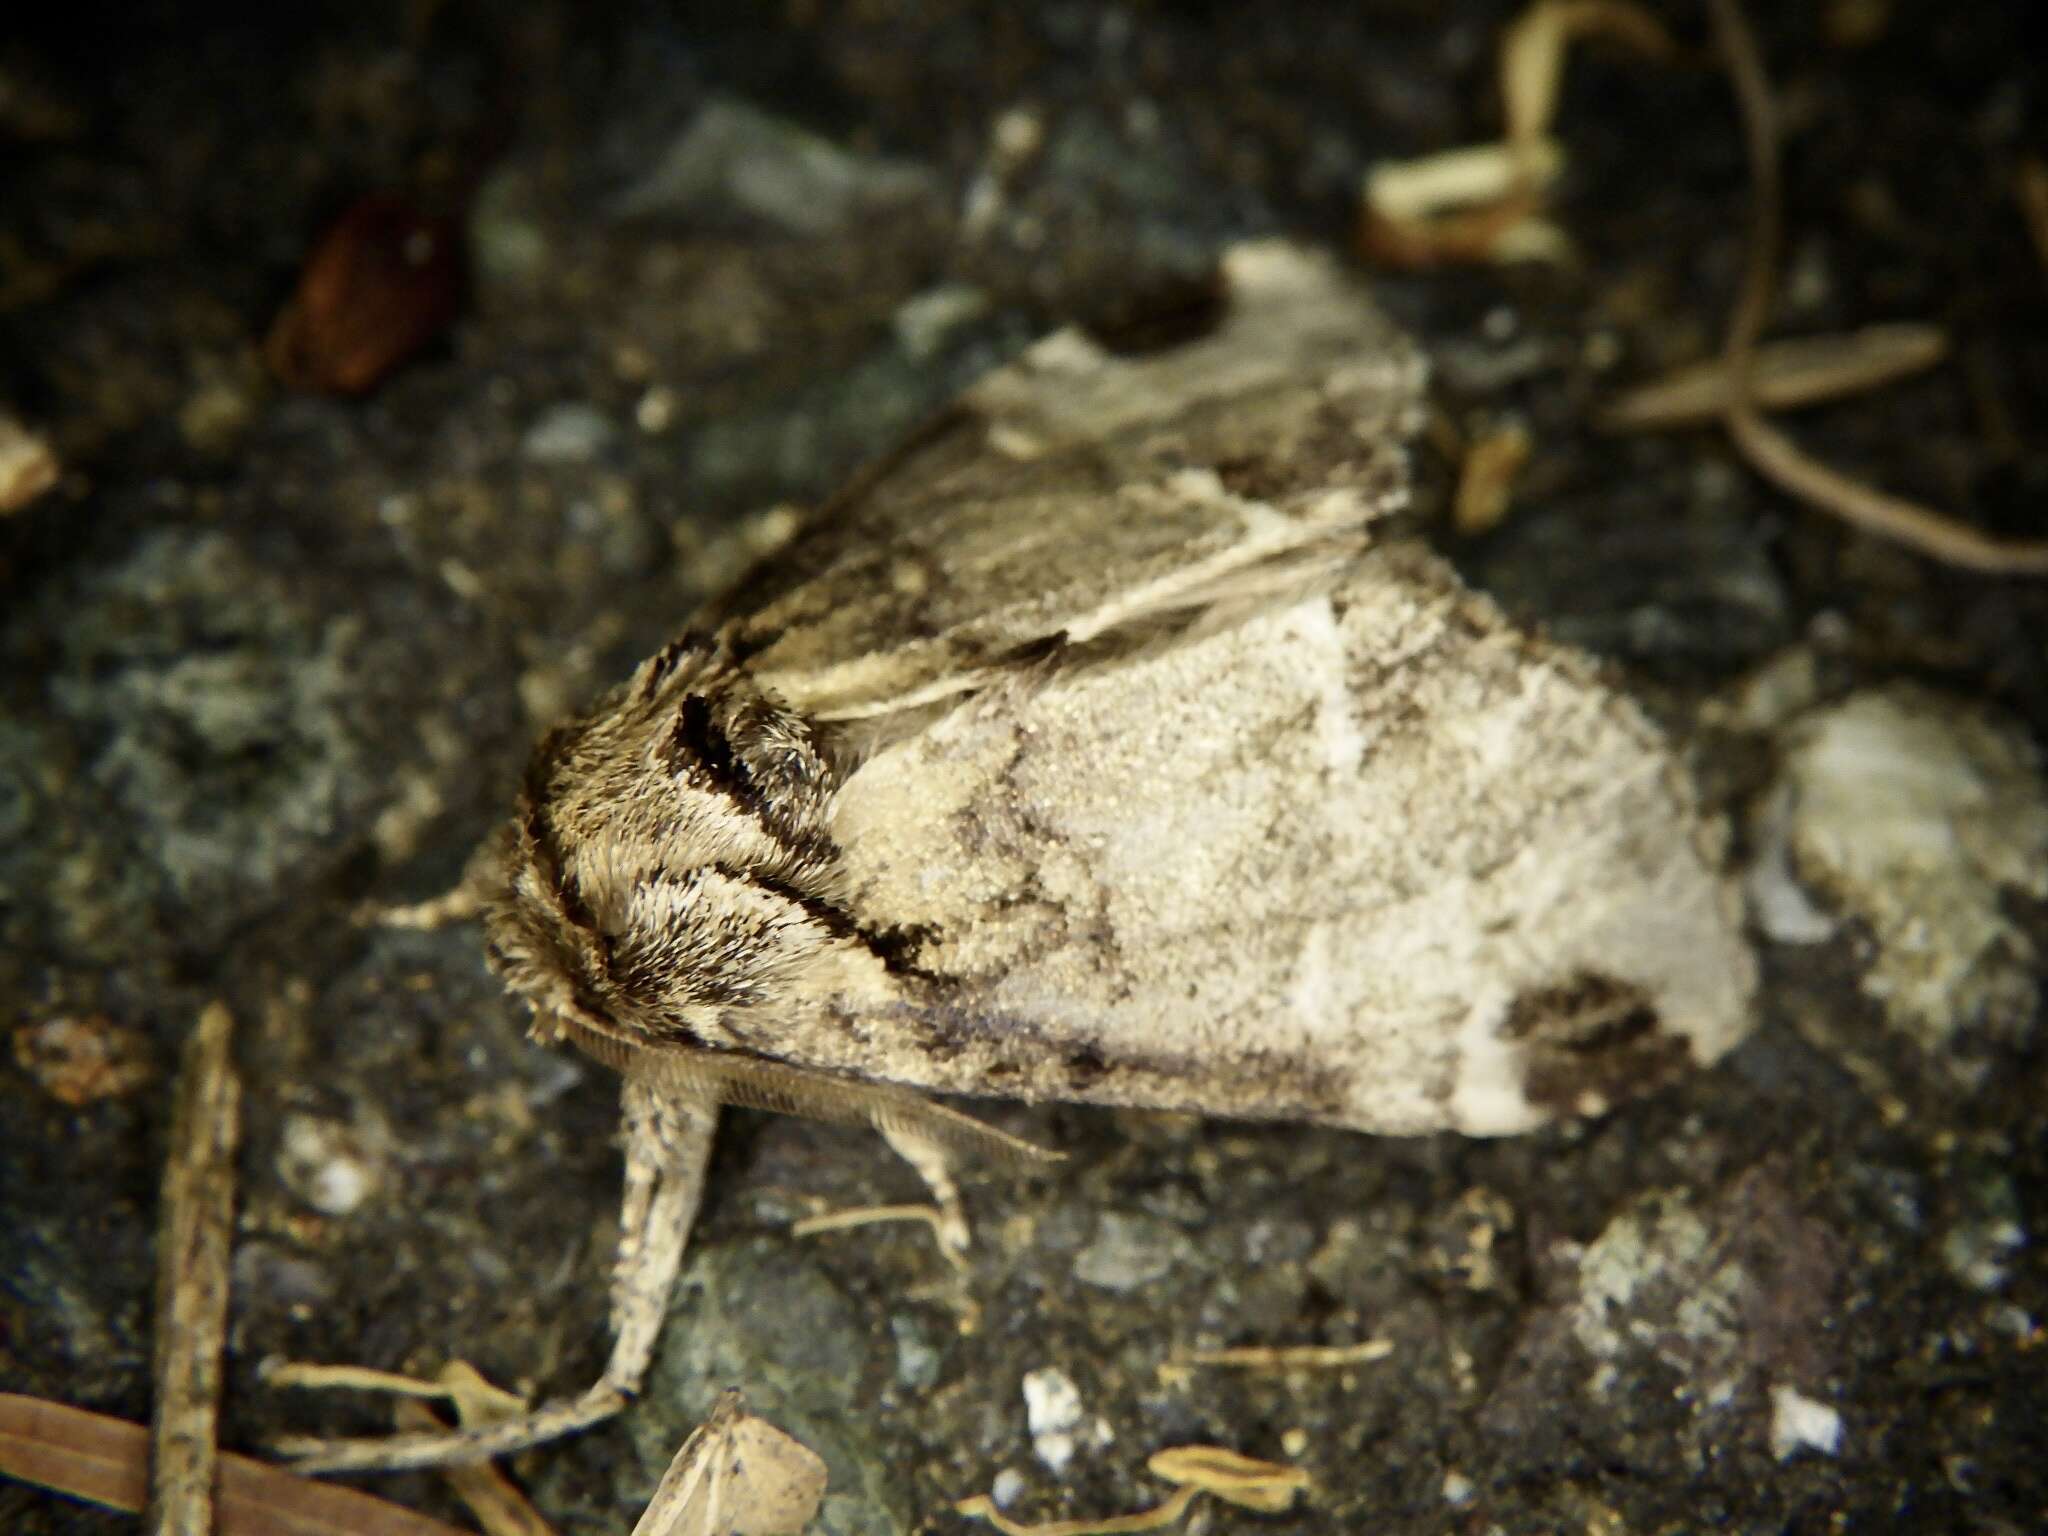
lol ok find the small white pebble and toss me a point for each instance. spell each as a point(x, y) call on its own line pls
point(320, 1163)
point(1458, 1488)
point(655, 411)
point(1007, 1488)
point(1798, 1423)
point(570, 433)
point(1059, 1423)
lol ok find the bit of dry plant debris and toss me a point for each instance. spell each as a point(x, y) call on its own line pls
point(1269, 1487)
point(79, 1059)
point(193, 1241)
point(1486, 204)
point(1773, 455)
point(498, 1507)
point(1487, 474)
point(27, 466)
point(105, 1461)
point(174, 1467)
point(1784, 375)
point(1292, 1357)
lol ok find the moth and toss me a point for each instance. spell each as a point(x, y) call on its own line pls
point(1101, 745)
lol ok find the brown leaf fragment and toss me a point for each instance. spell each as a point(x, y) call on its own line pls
point(80, 1058)
point(381, 283)
point(104, 1461)
point(736, 1475)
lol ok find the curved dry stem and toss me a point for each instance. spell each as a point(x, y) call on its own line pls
point(1770, 452)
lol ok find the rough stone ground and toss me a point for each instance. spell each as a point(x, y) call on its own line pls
point(266, 656)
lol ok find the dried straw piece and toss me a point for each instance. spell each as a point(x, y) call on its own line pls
point(1293, 1357)
point(1532, 54)
point(499, 1507)
point(1267, 1486)
point(1486, 478)
point(27, 466)
point(192, 1280)
point(1784, 375)
point(105, 1461)
point(1773, 455)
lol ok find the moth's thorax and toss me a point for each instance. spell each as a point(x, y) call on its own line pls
point(668, 864)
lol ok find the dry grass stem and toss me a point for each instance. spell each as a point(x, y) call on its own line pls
point(1485, 202)
point(1267, 1486)
point(1769, 451)
point(499, 1507)
point(1533, 49)
point(868, 1216)
point(982, 1507)
point(192, 1280)
point(1784, 375)
point(475, 1399)
point(1293, 1357)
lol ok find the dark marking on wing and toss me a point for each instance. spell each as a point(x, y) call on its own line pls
point(1593, 1039)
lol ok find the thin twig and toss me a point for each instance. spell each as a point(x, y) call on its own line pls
point(474, 1397)
point(982, 1507)
point(1784, 375)
point(867, 1216)
point(192, 1280)
point(1293, 1357)
point(1268, 1486)
point(1773, 455)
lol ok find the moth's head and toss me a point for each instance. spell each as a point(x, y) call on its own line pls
point(669, 862)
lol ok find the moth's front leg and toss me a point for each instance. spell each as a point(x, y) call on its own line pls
point(928, 1157)
point(668, 1145)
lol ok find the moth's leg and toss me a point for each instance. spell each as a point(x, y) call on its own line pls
point(458, 904)
point(929, 1158)
point(668, 1144)
point(482, 878)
